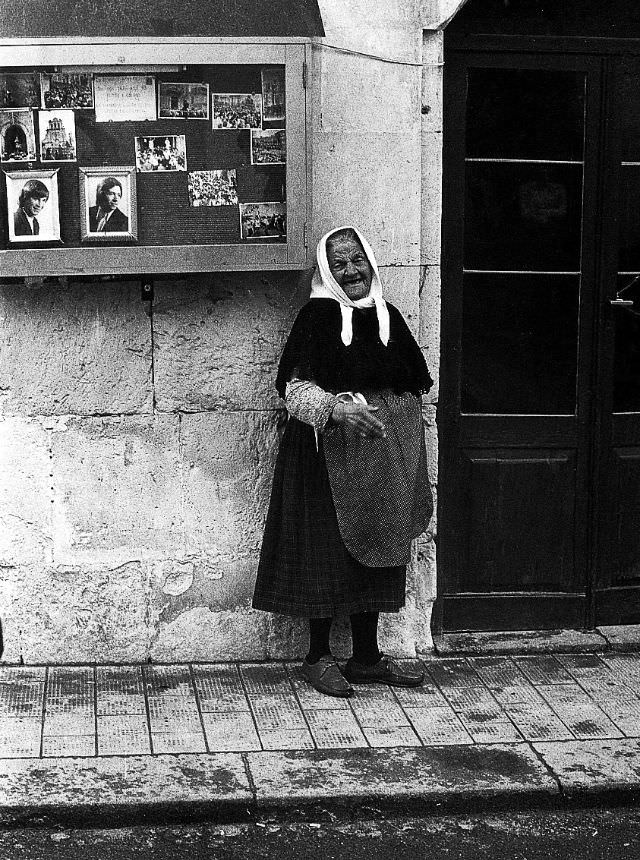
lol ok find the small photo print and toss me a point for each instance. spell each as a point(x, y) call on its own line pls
point(17, 136)
point(19, 90)
point(108, 203)
point(237, 110)
point(268, 146)
point(213, 188)
point(273, 101)
point(161, 154)
point(32, 206)
point(183, 101)
point(67, 90)
point(57, 132)
point(263, 220)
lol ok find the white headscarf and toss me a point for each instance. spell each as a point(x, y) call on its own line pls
point(325, 286)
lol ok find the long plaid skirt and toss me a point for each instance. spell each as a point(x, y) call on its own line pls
point(304, 567)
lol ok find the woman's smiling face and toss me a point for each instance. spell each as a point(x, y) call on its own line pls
point(349, 265)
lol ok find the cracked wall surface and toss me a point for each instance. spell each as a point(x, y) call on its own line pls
point(137, 440)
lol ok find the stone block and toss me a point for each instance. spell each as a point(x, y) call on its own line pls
point(431, 198)
point(369, 179)
point(25, 492)
point(429, 330)
point(117, 489)
point(83, 613)
point(432, 75)
point(81, 349)
point(436, 14)
point(401, 286)
point(390, 30)
point(218, 339)
point(205, 635)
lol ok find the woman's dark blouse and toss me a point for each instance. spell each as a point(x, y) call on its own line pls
point(316, 351)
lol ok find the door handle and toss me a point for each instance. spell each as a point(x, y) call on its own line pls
point(621, 303)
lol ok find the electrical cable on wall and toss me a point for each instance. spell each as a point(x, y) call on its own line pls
point(377, 56)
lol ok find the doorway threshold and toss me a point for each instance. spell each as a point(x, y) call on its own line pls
point(610, 638)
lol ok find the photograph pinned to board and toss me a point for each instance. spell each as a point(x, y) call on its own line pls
point(17, 136)
point(237, 110)
point(125, 98)
point(268, 146)
point(266, 221)
point(19, 89)
point(33, 213)
point(161, 154)
point(108, 209)
point(273, 96)
point(213, 188)
point(183, 101)
point(67, 90)
point(57, 134)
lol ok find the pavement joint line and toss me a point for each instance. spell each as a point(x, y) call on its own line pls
point(297, 698)
point(249, 703)
point(199, 707)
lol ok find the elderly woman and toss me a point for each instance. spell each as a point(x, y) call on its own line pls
point(350, 490)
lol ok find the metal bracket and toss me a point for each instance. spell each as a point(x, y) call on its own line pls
point(146, 290)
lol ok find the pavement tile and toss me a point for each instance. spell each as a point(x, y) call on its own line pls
point(432, 774)
point(488, 727)
point(593, 765)
point(73, 682)
point(455, 672)
point(578, 712)
point(20, 737)
point(626, 667)
point(391, 736)
point(426, 696)
point(99, 784)
point(309, 698)
point(21, 698)
point(538, 723)
point(70, 704)
point(386, 714)
point(265, 679)
point(168, 681)
point(286, 739)
point(173, 707)
point(519, 695)
point(277, 713)
point(230, 732)
point(461, 698)
point(542, 669)
point(219, 688)
point(119, 704)
point(170, 723)
point(498, 671)
point(335, 729)
point(584, 666)
point(69, 724)
point(123, 734)
point(179, 741)
point(69, 746)
point(438, 726)
point(125, 680)
point(23, 674)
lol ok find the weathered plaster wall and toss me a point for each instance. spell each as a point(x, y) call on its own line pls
point(137, 443)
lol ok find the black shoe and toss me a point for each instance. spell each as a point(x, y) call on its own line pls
point(325, 677)
point(385, 671)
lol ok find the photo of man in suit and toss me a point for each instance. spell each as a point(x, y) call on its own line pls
point(31, 202)
point(106, 216)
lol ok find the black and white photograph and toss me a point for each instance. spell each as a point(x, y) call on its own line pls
point(273, 95)
point(57, 134)
point(161, 154)
point(108, 203)
point(263, 220)
point(213, 188)
point(17, 136)
point(19, 90)
point(268, 146)
point(33, 213)
point(67, 90)
point(183, 101)
point(237, 110)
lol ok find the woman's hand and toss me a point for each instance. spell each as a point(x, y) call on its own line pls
point(359, 418)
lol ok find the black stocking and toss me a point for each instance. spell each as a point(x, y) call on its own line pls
point(364, 634)
point(319, 629)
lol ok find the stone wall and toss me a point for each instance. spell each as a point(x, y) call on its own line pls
point(137, 440)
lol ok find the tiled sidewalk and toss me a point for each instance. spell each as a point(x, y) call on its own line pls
point(88, 711)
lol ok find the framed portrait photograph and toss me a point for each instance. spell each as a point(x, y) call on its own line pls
point(183, 101)
point(19, 90)
point(268, 146)
point(237, 110)
point(264, 221)
point(33, 211)
point(108, 204)
point(67, 90)
point(213, 188)
point(57, 135)
point(17, 135)
point(161, 154)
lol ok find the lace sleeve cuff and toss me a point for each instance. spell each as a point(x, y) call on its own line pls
point(307, 402)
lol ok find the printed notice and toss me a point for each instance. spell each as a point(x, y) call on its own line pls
point(123, 98)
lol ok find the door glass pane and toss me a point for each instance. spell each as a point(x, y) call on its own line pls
point(629, 260)
point(519, 344)
point(626, 387)
point(523, 216)
point(628, 83)
point(525, 113)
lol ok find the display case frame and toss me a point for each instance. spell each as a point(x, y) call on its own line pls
point(140, 55)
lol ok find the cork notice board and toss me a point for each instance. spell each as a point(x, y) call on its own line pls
point(152, 167)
